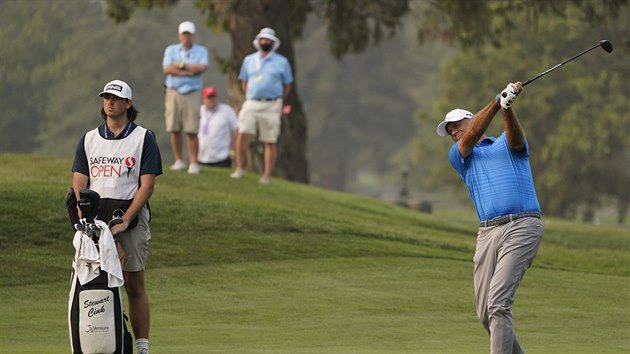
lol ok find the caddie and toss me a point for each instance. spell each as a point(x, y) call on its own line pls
point(120, 161)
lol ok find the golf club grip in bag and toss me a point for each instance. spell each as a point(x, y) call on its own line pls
point(71, 206)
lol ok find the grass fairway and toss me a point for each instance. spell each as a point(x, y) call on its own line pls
point(237, 267)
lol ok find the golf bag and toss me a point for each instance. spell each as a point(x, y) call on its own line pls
point(96, 320)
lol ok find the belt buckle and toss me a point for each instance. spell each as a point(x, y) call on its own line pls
point(500, 220)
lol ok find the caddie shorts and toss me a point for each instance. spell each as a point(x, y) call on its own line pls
point(135, 242)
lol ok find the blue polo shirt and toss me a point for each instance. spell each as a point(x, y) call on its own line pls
point(499, 180)
point(266, 77)
point(176, 53)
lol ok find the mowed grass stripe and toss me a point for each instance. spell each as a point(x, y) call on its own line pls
point(236, 267)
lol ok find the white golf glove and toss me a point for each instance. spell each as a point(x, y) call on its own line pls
point(508, 95)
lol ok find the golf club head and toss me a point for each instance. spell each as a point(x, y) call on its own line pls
point(606, 45)
point(89, 204)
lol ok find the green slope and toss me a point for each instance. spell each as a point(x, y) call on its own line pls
point(237, 267)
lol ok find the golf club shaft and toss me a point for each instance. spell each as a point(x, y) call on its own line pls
point(559, 65)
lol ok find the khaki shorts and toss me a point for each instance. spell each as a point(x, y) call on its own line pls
point(264, 115)
point(182, 111)
point(135, 242)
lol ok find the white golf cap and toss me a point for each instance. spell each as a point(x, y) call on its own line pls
point(453, 116)
point(270, 34)
point(117, 88)
point(187, 26)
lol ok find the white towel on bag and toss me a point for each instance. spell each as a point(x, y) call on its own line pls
point(86, 258)
point(89, 259)
point(109, 256)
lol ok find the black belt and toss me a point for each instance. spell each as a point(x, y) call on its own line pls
point(500, 220)
point(264, 99)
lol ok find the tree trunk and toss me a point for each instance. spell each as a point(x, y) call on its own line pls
point(623, 204)
point(246, 20)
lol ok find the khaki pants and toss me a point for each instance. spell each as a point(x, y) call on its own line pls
point(503, 255)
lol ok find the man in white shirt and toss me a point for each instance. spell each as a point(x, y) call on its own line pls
point(217, 130)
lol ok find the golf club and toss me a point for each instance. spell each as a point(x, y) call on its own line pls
point(605, 44)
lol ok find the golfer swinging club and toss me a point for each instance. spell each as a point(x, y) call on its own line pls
point(499, 179)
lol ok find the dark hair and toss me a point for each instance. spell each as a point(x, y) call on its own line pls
point(132, 113)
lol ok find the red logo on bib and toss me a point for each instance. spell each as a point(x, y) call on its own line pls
point(130, 161)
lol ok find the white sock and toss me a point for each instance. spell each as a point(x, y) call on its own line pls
point(142, 344)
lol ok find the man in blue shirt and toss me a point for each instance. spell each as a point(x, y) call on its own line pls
point(266, 79)
point(183, 65)
point(499, 180)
